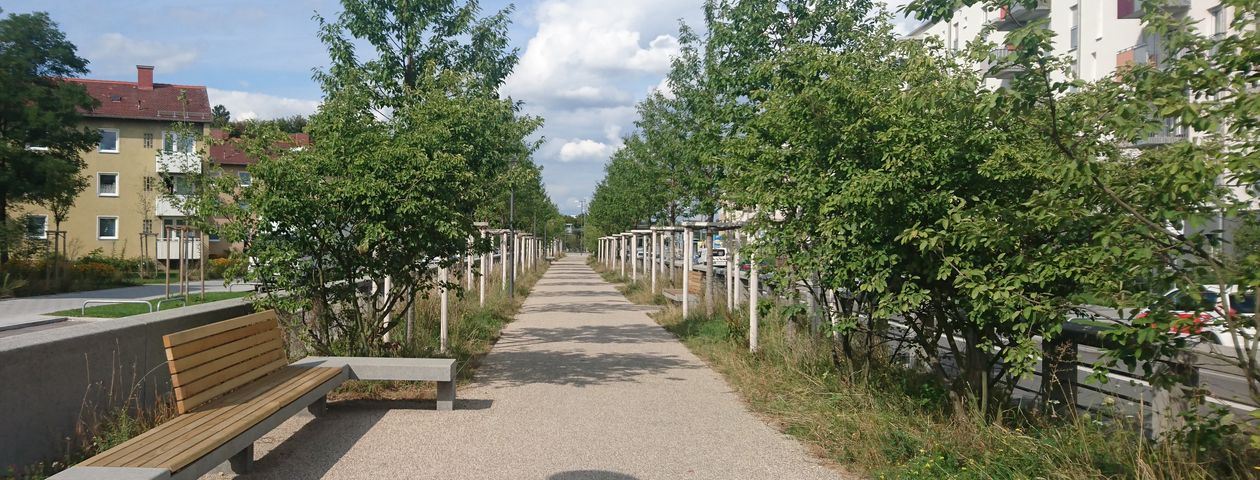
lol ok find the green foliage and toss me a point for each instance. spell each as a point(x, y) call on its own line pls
point(222, 117)
point(407, 150)
point(892, 423)
point(39, 109)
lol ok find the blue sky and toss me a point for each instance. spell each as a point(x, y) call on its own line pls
point(584, 63)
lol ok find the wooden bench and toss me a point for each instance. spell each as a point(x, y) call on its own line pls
point(232, 384)
point(675, 295)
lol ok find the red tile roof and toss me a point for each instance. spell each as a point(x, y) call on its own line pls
point(125, 100)
point(229, 154)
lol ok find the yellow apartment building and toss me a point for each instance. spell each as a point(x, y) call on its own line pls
point(137, 162)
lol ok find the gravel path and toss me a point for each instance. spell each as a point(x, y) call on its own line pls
point(582, 386)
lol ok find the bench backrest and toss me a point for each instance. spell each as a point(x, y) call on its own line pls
point(212, 360)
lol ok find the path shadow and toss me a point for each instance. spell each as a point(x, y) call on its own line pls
point(597, 334)
point(575, 293)
point(592, 308)
point(580, 369)
point(591, 475)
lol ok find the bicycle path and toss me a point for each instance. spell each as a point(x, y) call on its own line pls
point(583, 385)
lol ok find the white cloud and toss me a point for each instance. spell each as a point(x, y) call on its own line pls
point(115, 53)
point(583, 70)
point(586, 150)
point(584, 47)
point(250, 106)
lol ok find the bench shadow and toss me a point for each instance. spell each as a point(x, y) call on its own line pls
point(315, 448)
point(591, 475)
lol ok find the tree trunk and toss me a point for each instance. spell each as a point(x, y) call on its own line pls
point(4, 217)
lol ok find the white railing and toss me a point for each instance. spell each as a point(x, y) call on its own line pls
point(168, 248)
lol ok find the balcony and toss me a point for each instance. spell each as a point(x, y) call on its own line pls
point(1136, 55)
point(1019, 15)
point(1168, 134)
point(168, 248)
point(165, 208)
point(997, 68)
point(1131, 9)
point(177, 163)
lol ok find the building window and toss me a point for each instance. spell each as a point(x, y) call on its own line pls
point(107, 228)
point(109, 141)
point(107, 184)
point(149, 183)
point(175, 142)
point(957, 35)
point(148, 226)
point(148, 140)
point(37, 226)
point(246, 179)
point(1220, 22)
point(178, 184)
point(212, 237)
point(171, 227)
point(1076, 27)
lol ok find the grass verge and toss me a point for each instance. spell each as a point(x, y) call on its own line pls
point(889, 423)
point(128, 309)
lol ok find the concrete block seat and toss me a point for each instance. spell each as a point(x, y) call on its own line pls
point(232, 384)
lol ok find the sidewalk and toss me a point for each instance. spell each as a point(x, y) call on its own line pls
point(582, 386)
point(23, 312)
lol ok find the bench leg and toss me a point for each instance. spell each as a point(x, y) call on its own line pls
point(243, 461)
point(319, 408)
point(446, 395)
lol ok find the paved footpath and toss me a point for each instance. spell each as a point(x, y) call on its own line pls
point(583, 385)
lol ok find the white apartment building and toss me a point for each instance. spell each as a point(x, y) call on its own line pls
point(1099, 36)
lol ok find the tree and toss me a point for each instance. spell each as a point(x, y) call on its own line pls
point(405, 149)
point(222, 117)
point(1202, 82)
point(39, 109)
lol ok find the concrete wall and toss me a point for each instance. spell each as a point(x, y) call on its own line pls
point(56, 382)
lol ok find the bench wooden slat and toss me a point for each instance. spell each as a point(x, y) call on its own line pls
point(207, 439)
point(246, 349)
point(170, 432)
point(205, 356)
point(179, 353)
point(192, 334)
point(212, 360)
point(234, 377)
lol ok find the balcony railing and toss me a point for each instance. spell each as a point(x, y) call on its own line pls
point(1130, 9)
point(168, 248)
point(177, 162)
point(164, 207)
point(997, 66)
point(1169, 133)
point(1019, 15)
point(1136, 55)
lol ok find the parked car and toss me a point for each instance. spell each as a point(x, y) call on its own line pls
point(719, 257)
point(1208, 312)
